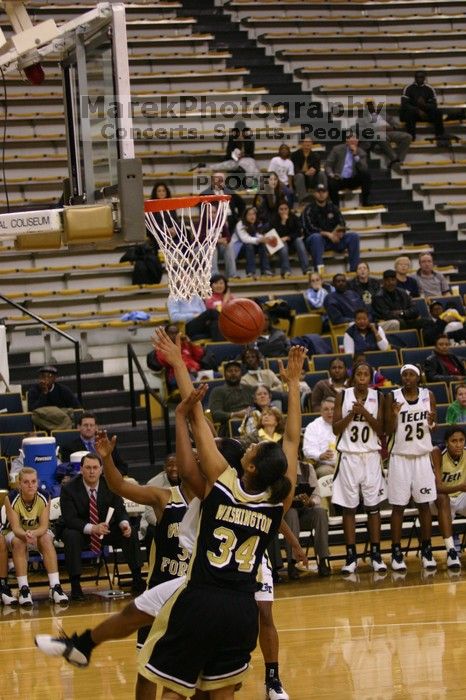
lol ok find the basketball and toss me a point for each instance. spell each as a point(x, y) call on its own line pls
point(241, 321)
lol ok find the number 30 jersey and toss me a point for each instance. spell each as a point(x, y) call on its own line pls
point(358, 435)
point(412, 434)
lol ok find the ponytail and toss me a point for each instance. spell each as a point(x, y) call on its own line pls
point(271, 465)
point(280, 489)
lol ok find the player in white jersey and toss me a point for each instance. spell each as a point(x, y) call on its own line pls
point(409, 418)
point(358, 421)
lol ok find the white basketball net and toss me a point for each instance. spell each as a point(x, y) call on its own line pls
point(188, 246)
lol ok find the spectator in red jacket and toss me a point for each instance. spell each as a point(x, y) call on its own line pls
point(192, 355)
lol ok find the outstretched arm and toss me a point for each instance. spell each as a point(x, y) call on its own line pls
point(147, 495)
point(188, 466)
point(211, 461)
point(291, 376)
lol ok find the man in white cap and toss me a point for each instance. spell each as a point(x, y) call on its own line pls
point(409, 418)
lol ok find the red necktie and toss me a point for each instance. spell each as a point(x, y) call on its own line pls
point(94, 519)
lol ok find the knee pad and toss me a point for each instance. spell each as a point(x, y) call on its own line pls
point(373, 510)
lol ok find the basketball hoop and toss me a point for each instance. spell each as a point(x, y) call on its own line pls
point(188, 245)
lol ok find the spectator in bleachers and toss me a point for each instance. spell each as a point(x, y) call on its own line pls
point(255, 374)
point(430, 282)
point(6, 595)
point(287, 225)
point(307, 513)
point(221, 293)
point(347, 169)
point(273, 342)
point(236, 205)
point(456, 412)
point(282, 165)
point(85, 442)
point(362, 335)
point(192, 354)
point(395, 305)
point(319, 440)
point(269, 200)
point(325, 229)
point(164, 219)
point(444, 322)
point(85, 502)
point(419, 103)
point(160, 190)
point(450, 480)
point(28, 514)
point(443, 365)
point(389, 132)
point(240, 151)
point(324, 388)
point(270, 427)
point(403, 280)
point(316, 292)
point(200, 321)
point(242, 137)
point(51, 402)
point(306, 165)
point(222, 249)
point(363, 284)
point(342, 304)
point(248, 236)
point(232, 399)
point(262, 398)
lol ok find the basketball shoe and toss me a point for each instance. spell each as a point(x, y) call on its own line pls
point(73, 648)
point(57, 595)
point(398, 562)
point(378, 563)
point(350, 566)
point(428, 561)
point(274, 690)
point(25, 597)
point(6, 596)
point(453, 560)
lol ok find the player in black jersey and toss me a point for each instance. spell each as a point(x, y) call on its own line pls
point(171, 559)
point(206, 632)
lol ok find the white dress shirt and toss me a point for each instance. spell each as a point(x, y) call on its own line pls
point(317, 438)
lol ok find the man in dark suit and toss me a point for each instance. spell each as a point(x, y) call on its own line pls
point(87, 427)
point(85, 502)
point(347, 169)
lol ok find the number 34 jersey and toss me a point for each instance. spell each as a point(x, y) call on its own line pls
point(234, 530)
point(358, 435)
point(412, 434)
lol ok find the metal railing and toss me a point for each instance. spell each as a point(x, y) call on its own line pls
point(53, 328)
point(148, 392)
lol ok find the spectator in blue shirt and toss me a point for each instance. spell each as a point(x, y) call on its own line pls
point(403, 280)
point(200, 321)
point(342, 304)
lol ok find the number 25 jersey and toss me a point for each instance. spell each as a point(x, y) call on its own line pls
point(358, 436)
point(412, 434)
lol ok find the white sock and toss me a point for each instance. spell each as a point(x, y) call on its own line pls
point(22, 581)
point(449, 544)
point(54, 579)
